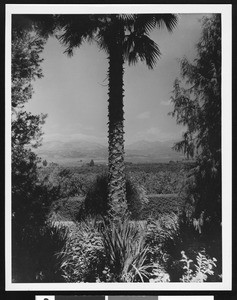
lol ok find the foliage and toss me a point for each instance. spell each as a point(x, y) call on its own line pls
point(99, 250)
point(159, 205)
point(197, 105)
point(162, 182)
point(162, 235)
point(26, 50)
point(202, 270)
point(197, 95)
point(33, 243)
point(82, 258)
point(67, 209)
point(92, 163)
point(34, 256)
point(67, 182)
point(45, 163)
point(96, 201)
point(160, 178)
point(126, 252)
point(73, 184)
point(96, 198)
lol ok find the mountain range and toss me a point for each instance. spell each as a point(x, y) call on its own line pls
point(81, 151)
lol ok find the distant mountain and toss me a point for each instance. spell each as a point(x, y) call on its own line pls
point(148, 151)
point(75, 150)
point(147, 145)
point(83, 151)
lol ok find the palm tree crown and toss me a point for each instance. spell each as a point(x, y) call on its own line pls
point(102, 29)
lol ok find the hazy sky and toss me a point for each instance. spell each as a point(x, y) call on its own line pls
point(73, 91)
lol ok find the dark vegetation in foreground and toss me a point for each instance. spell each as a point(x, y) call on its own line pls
point(154, 243)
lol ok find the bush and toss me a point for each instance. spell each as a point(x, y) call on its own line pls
point(67, 209)
point(105, 251)
point(185, 239)
point(65, 181)
point(199, 272)
point(82, 259)
point(100, 250)
point(162, 235)
point(96, 201)
point(32, 248)
point(36, 257)
point(160, 182)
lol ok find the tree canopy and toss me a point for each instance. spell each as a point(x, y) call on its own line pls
point(197, 106)
point(30, 198)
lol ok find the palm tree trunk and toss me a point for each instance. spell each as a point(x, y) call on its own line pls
point(116, 186)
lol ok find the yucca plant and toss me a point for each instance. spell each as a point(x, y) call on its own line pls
point(138, 268)
point(126, 252)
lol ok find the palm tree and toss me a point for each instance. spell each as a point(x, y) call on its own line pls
point(123, 38)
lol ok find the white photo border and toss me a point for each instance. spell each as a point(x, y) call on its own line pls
point(225, 11)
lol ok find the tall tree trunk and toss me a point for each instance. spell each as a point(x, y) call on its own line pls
point(117, 188)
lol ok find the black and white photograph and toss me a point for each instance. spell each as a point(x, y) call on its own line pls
point(119, 137)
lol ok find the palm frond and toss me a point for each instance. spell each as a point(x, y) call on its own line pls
point(147, 22)
point(126, 18)
point(170, 21)
point(144, 49)
point(144, 23)
point(76, 29)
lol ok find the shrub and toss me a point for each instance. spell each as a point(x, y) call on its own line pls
point(160, 205)
point(67, 182)
point(96, 198)
point(96, 201)
point(69, 209)
point(160, 182)
point(82, 259)
point(36, 259)
point(162, 235)
point(199, 272)
point(159, 274)
point(186, 238)
point(104, 251)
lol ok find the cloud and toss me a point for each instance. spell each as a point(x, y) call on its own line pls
point(144, 115)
